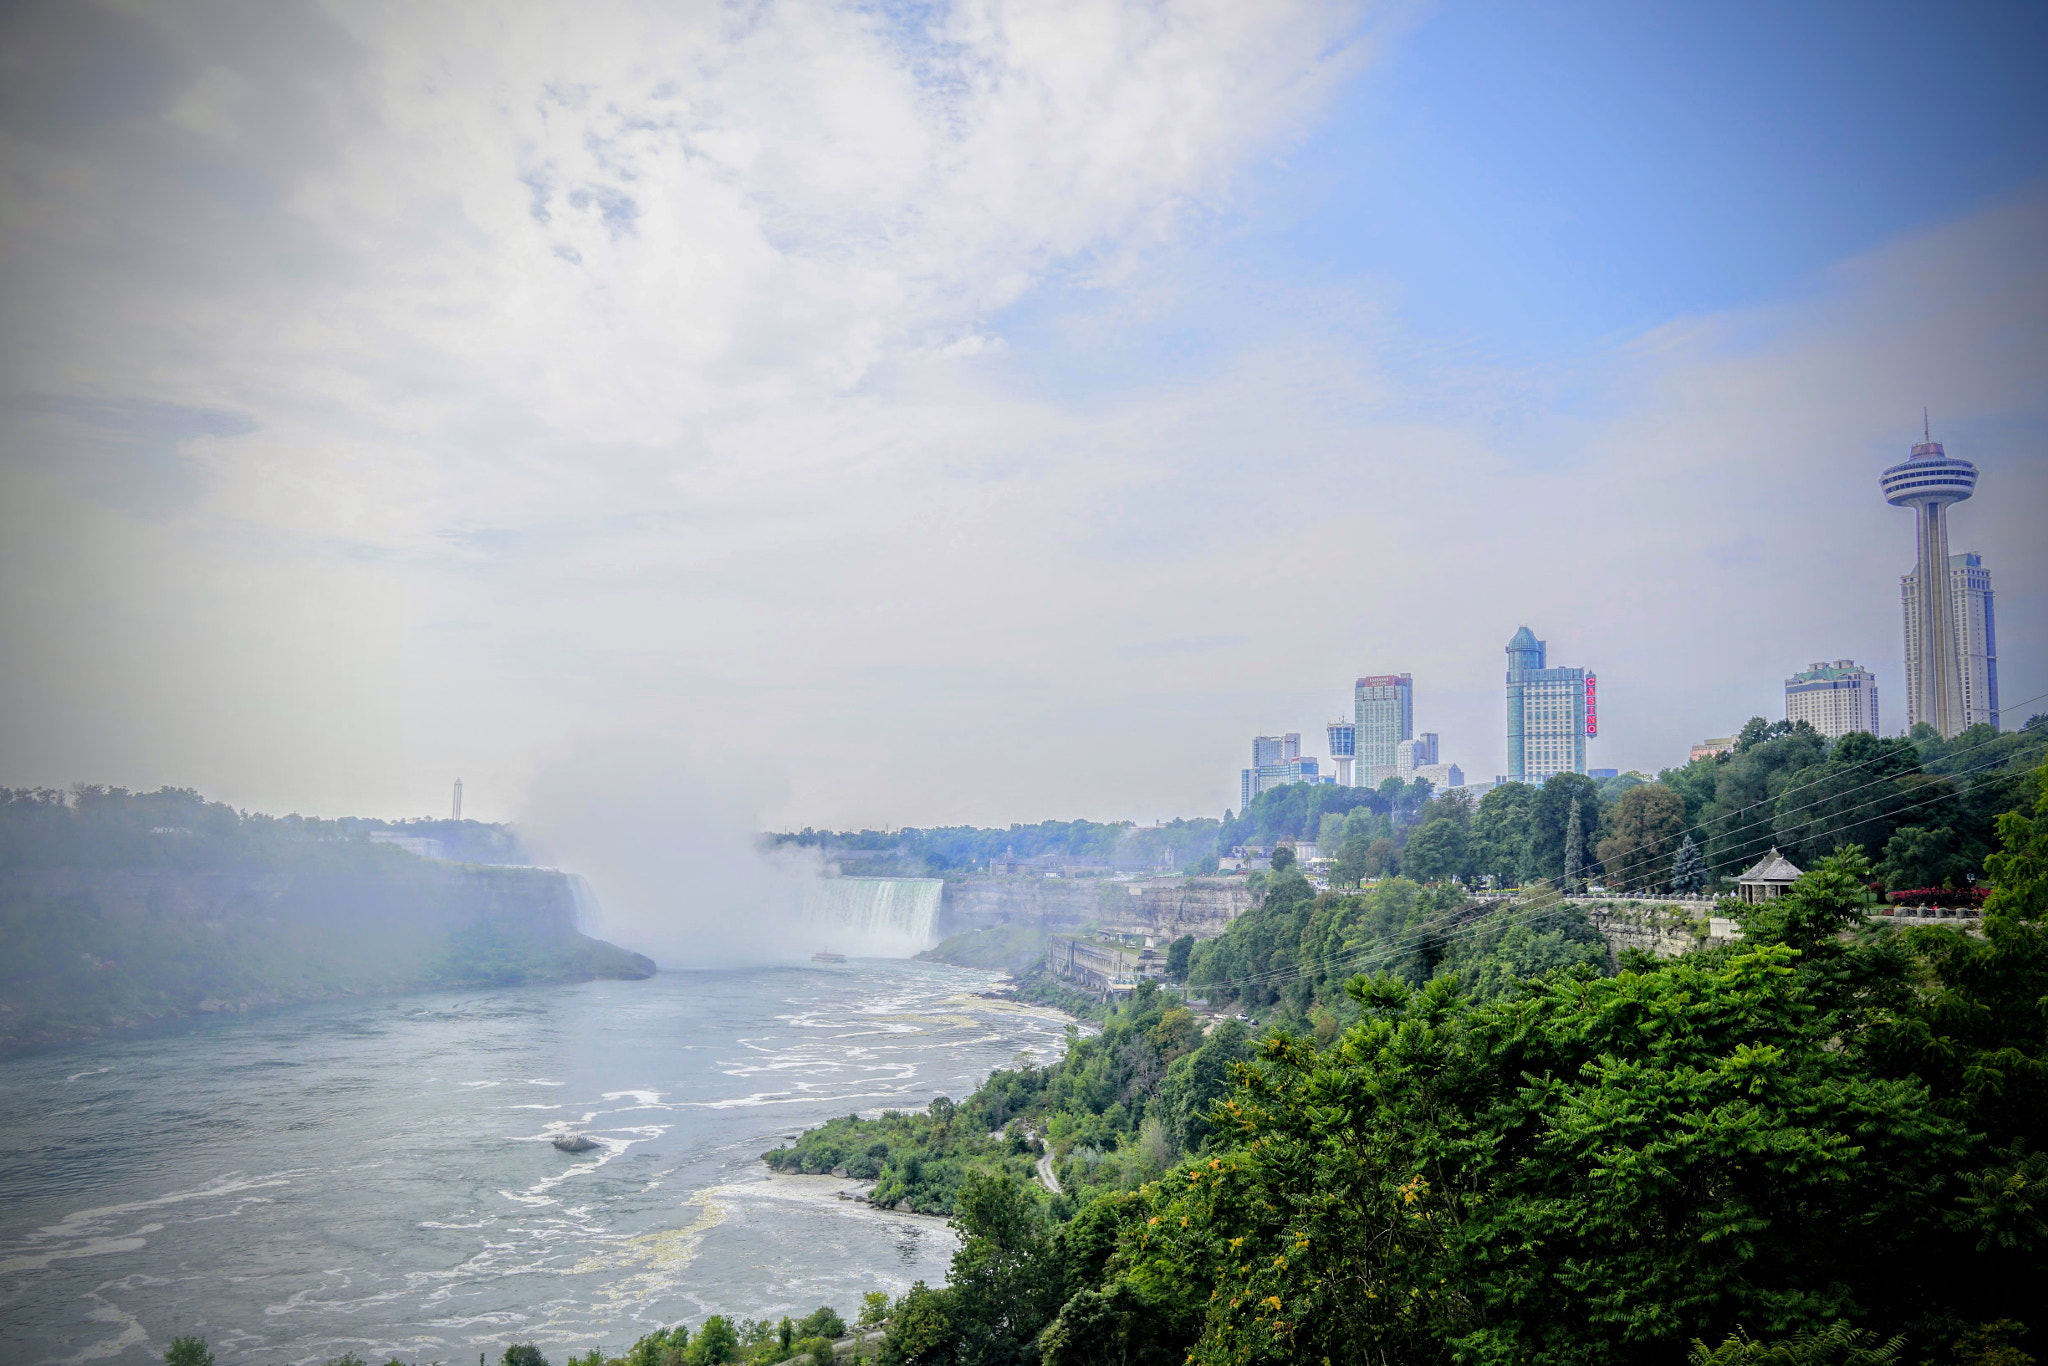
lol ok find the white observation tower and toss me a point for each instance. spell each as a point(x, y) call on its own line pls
point(1928, 483)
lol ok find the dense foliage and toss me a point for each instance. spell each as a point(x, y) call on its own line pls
point(1924, 809)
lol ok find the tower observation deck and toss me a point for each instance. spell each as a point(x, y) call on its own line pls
point(1928, 482)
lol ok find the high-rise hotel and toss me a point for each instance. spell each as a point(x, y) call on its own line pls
point(1385, 713)
point(1951, 635)
point(1974, 628)
point(1833, 698)
point(1551, 713)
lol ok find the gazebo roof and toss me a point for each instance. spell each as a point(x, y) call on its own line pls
point(1772, 867)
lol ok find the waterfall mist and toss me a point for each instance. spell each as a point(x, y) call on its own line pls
point(664, 841)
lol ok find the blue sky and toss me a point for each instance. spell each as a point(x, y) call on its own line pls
point(982, 412)
point(1541, 179)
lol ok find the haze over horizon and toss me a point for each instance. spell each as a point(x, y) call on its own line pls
point(982, 412)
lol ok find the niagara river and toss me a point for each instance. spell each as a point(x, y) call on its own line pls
point(378, 1176)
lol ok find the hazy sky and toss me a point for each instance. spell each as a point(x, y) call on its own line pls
point(986, 411)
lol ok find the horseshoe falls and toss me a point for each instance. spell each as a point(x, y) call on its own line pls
point(872, 917)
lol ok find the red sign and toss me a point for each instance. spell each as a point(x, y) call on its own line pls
point(1592, 712)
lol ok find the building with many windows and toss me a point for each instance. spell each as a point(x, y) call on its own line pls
point(1276, 759)
point(1973, 634)
point(1833, 698)
point(1550, 713)
point(1420, 752)
point(1385, 713)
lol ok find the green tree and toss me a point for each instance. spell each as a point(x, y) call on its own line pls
point(523, 1354)
point(188, 1351)
point(822, 1322)
point(717, 1341)
point(1283, 859)
point(1688, 869)
point(1502, 832)
point(1574, 851)
point(874, 1305)
point(1438, 852)
point(1177, 955)
point(1594, 1171)
point(1645, 825)
point(1551, 823)
point(1838, 1344)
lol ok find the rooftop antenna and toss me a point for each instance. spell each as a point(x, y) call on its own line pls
point(1926, 430)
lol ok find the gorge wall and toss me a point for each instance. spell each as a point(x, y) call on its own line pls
point(98, 948)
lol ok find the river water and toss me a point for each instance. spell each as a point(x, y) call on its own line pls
point(376, 1176)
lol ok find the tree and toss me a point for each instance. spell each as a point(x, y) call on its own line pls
point(1574, 850)
point(1283, 859)
point(1688, 870)
point(523, 1354)
point(1502, 829)
point(2019, 872)
point(874, 1305)
point(822, 1322)
point(188, 1352)
point(1550, 823)
point(1646, 821)
point(1438, 852)
point(1177, 954)
point(717, 1341)
point(1557, 1177)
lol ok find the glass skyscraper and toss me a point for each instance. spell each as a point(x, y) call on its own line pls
point(1549, 713)
point(1385, 705)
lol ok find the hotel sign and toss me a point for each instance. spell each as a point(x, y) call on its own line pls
point(1592, 711)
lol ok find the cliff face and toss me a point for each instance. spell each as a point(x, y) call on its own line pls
point(98, 948)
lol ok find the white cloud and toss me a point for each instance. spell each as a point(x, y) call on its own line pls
point(644, 370)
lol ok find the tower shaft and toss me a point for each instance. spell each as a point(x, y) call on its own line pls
point(1941, 696)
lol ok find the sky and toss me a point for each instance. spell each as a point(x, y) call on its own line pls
point(981, 412)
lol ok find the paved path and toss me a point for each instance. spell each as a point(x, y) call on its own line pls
point(1045, 1173)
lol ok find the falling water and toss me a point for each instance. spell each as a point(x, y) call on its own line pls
point(873, 917)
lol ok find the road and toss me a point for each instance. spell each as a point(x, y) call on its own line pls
point(1045, 1173)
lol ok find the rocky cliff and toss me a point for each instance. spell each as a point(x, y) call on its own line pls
point(98, 948)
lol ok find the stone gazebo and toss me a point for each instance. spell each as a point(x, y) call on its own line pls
point(1772, 877)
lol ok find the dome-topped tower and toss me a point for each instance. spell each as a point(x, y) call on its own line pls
point(1928, 482)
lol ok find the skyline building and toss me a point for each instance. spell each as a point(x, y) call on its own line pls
point(1974, 627)
point(1276, 759)
point(1418, 753)
point(1833, 698)
point(1343, 749)
point(1384, 707)
point(1928, 482)
point(1551, 712)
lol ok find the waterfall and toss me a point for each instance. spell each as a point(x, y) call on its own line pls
point(872, 917)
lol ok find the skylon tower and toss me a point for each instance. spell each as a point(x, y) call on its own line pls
point(1928, 483)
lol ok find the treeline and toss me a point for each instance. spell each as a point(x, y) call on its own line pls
point(1182, 844)
point(92, 825)
point(1923, 809)
point(1820, 1144)
point(1115, 1111)
point(1292, 954)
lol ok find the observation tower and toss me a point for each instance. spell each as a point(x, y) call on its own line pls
point(1343, 749)
point(1928, 483)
